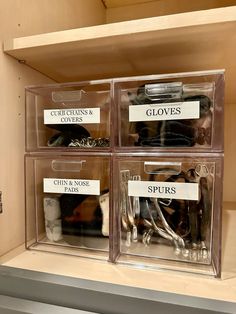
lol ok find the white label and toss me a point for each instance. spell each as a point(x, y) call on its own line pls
point(71, 186)
point(175, 190)
point(72, 115)
point(165, 111)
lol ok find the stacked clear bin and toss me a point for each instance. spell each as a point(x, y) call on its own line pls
point(67, 165)
point(66, 117)
point(168, 162)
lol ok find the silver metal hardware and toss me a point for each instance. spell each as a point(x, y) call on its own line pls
point(202, 170)
point(89, 142)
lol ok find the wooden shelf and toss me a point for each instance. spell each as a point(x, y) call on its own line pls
point(172, 282)
point(200, 40)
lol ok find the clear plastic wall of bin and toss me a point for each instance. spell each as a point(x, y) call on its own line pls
point(181, 112)
point(167, 212)
point(71, 116)
point(67, 204)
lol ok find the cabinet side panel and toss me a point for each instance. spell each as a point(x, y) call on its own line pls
point(25, 17)
point(13, 76)
point(22, 18)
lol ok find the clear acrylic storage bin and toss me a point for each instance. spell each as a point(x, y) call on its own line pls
point(67, 204)
point(68, 116)
point(167, 212)
point(182, 111)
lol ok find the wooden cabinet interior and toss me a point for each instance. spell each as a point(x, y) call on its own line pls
point(119, 10)
point(181, 42)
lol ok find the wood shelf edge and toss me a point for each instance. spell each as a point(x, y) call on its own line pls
point(189, 19)
point(164, 281)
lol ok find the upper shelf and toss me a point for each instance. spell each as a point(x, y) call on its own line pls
point(190, 41)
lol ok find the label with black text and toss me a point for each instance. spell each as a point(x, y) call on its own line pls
point(71, 186)
point(165, 111)
point(71, 116)
point(173, 190)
